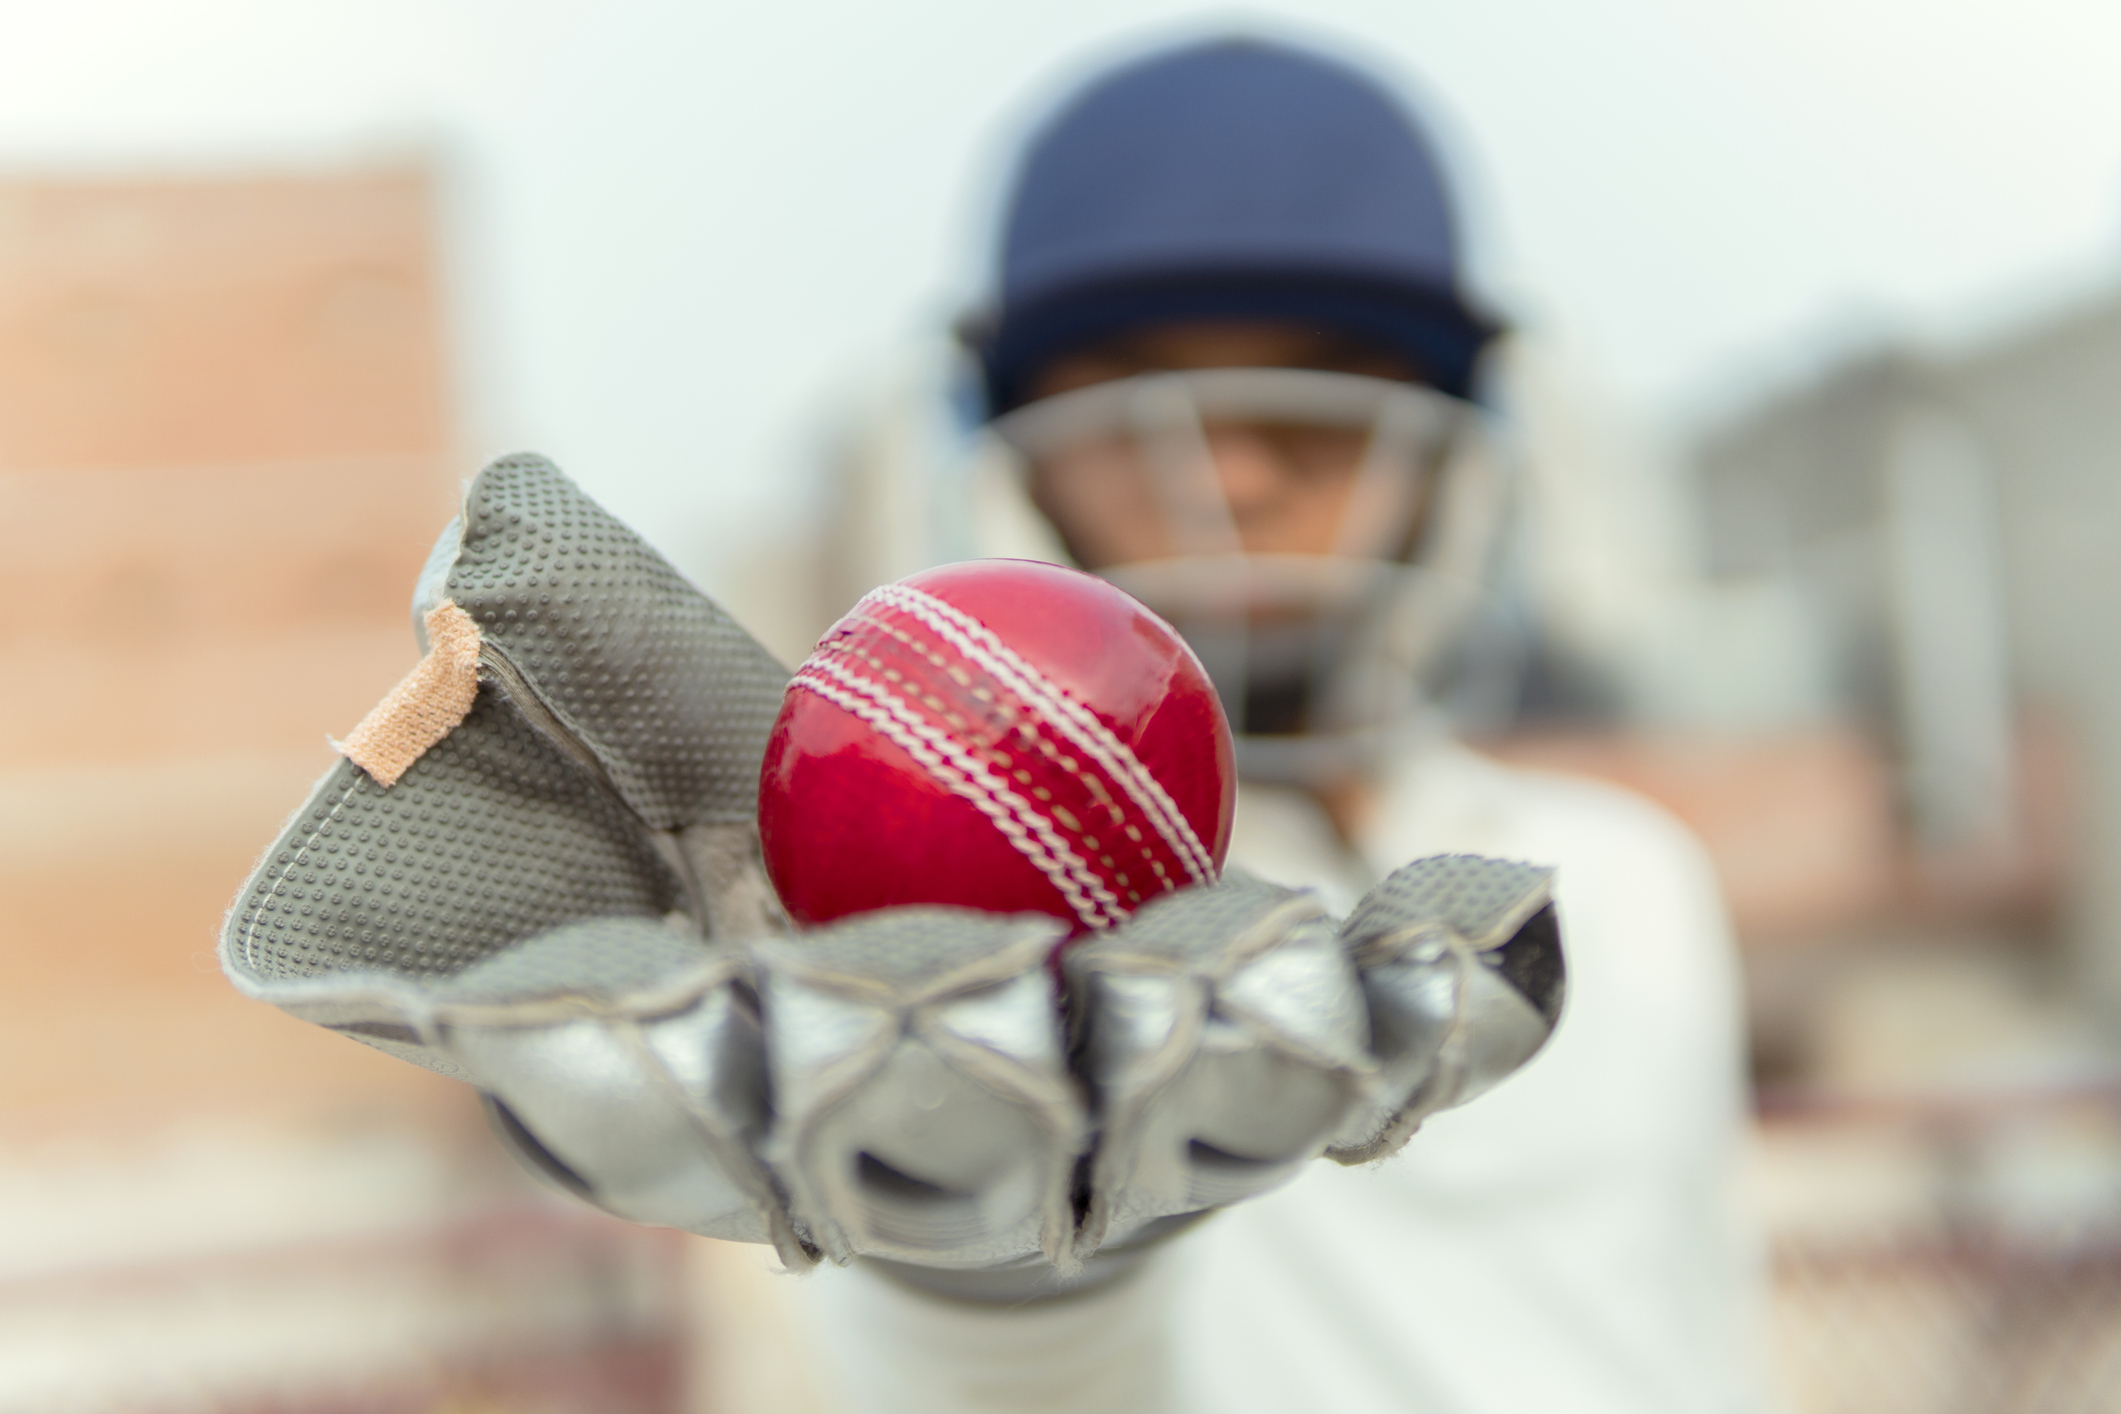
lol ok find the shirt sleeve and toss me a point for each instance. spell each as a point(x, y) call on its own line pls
point(1570, 1241)
point(894, 1350)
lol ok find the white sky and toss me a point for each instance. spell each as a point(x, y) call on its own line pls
point(676, 228)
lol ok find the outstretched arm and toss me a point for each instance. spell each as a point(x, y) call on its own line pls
point(538, 871)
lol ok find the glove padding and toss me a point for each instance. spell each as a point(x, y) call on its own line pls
point(560, 901)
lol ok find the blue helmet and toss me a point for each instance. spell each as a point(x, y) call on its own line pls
point(1236, 179)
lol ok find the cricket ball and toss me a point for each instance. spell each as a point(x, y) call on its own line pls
point(1002, 735)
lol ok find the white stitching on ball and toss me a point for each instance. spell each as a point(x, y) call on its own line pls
point(1068, 716)
point(964, 775)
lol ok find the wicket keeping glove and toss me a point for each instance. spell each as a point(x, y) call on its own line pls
point(536, 869)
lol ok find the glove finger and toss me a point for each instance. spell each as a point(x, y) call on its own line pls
point(627, 1061)
point(1461, 961)
point(1223, 1032)
point(371, 895)
point(924, 1110)
point(635, 673)
point(606, 765)
point(670, 697)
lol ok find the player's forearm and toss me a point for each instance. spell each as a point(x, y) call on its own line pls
point(900, 1350)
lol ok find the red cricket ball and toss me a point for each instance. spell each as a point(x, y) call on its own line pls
point(1003, 735)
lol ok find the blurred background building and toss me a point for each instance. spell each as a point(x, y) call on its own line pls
point(1945, 517)
point(225, 430)
point(1824, 387)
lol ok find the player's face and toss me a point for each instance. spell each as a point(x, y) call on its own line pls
point(1288, 487)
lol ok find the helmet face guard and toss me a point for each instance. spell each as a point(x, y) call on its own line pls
point(1319, 538)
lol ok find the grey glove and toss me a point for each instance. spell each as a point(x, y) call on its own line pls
point(537, 871)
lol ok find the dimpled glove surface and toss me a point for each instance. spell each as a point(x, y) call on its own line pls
point(558, 899)
point(673, 699)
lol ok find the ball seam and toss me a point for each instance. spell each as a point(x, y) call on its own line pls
point(1016, 818)
point(1071, 718)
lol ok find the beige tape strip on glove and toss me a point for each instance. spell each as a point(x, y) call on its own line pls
point(435, 696)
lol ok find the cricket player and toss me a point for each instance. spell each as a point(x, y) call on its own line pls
point(1330, 1131)
point(1229, 363)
